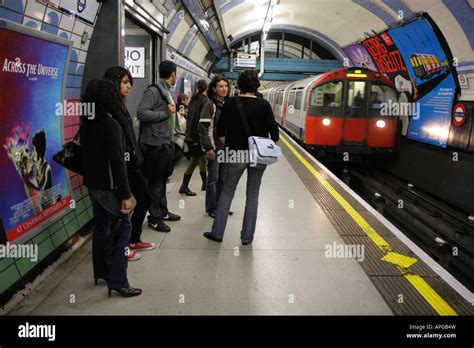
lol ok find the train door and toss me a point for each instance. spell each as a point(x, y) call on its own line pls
point(354, 131)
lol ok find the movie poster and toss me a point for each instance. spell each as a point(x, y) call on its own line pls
point(33, 188)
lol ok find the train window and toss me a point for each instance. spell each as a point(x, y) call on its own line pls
point(356, 99)
point(279, 98)
point(298, 99)
point(327, 99)
point(291, 98)
point(380, 96)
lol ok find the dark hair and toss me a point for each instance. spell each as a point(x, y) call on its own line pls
point(116, 75)
point(211, 94)
point(182, 98)
point(248, 82)
point(39, 142)
point(105, 96)
point(166, 69)
point(201, 88)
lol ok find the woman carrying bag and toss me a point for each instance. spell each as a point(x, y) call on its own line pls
point(233, 132)
point(105, 175)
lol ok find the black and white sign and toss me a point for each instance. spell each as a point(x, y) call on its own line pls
point(135, 61)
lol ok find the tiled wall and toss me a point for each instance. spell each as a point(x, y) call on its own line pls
point(35, 15)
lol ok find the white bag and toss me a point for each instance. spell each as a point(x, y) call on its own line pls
point(262, 150)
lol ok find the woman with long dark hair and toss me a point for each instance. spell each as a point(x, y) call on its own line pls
point(123, 81)
point(218, 92)
point(105, 175)
point(199, 102)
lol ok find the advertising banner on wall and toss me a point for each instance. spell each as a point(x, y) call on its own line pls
point(33, 188)
point(359, 56)
point(433, 83)
point(413, 58)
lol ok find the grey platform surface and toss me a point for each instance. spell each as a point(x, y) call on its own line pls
point(284, 271)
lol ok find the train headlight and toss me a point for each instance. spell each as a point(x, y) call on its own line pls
point(326, 121)
point(380, 124)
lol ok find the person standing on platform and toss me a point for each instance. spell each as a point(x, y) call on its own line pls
point(199, 103)
point(231, 133)
point(218, 93)
point(105, 175)
point(157, 114)
point(134, 159)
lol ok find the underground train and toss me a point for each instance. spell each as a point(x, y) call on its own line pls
point(340, 111)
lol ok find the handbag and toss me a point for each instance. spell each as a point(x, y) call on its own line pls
point(70, 157)
point(262, 150)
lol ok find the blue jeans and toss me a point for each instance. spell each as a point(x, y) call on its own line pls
point(215, 177)
point(233, 172)
point(113, 265)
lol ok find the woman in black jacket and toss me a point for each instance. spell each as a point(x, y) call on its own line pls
point(123, 81)
point(231, 132)
point(105, 174)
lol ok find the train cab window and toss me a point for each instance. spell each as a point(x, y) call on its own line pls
point(326, 100)
point(356, 99)
point(380, 97)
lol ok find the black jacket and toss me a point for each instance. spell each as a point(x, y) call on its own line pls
point(260, 119)
point(103, 160)
point(133, 155)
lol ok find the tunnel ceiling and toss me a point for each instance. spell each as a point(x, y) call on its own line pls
point(334, 24)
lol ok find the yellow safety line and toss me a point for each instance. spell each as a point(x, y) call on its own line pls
point(423, 288)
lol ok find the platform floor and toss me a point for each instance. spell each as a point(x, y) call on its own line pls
point(284, 271)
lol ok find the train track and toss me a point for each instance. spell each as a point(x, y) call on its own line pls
point(440, 230)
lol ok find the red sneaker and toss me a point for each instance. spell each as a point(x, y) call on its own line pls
point(133, 256)
point(142, 246)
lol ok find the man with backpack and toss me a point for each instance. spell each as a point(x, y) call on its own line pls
point(157, 115)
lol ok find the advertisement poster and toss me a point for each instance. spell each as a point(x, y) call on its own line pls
point(433, 83)
point(412, 57)
point(33, 187)
point(359, 56)
point(386, 56)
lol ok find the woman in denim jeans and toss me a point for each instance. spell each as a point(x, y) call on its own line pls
point(231, 132)
point(105, 175)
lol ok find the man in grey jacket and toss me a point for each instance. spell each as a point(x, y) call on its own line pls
point(157, 115)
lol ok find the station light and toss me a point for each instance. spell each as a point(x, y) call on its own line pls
point(326, 121)
point(381, 124)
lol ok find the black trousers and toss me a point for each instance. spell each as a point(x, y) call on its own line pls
point(139, 190)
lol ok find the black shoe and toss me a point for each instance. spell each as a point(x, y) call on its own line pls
point(209, 235)
point(159, 225)
point(246, 242)
point(231, 213)
point(186, 191)
point(127, 291)
point(96, 279)
point(171, 217)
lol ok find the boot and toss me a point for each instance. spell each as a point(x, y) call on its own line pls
point(204, 180)
point(184, 189)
